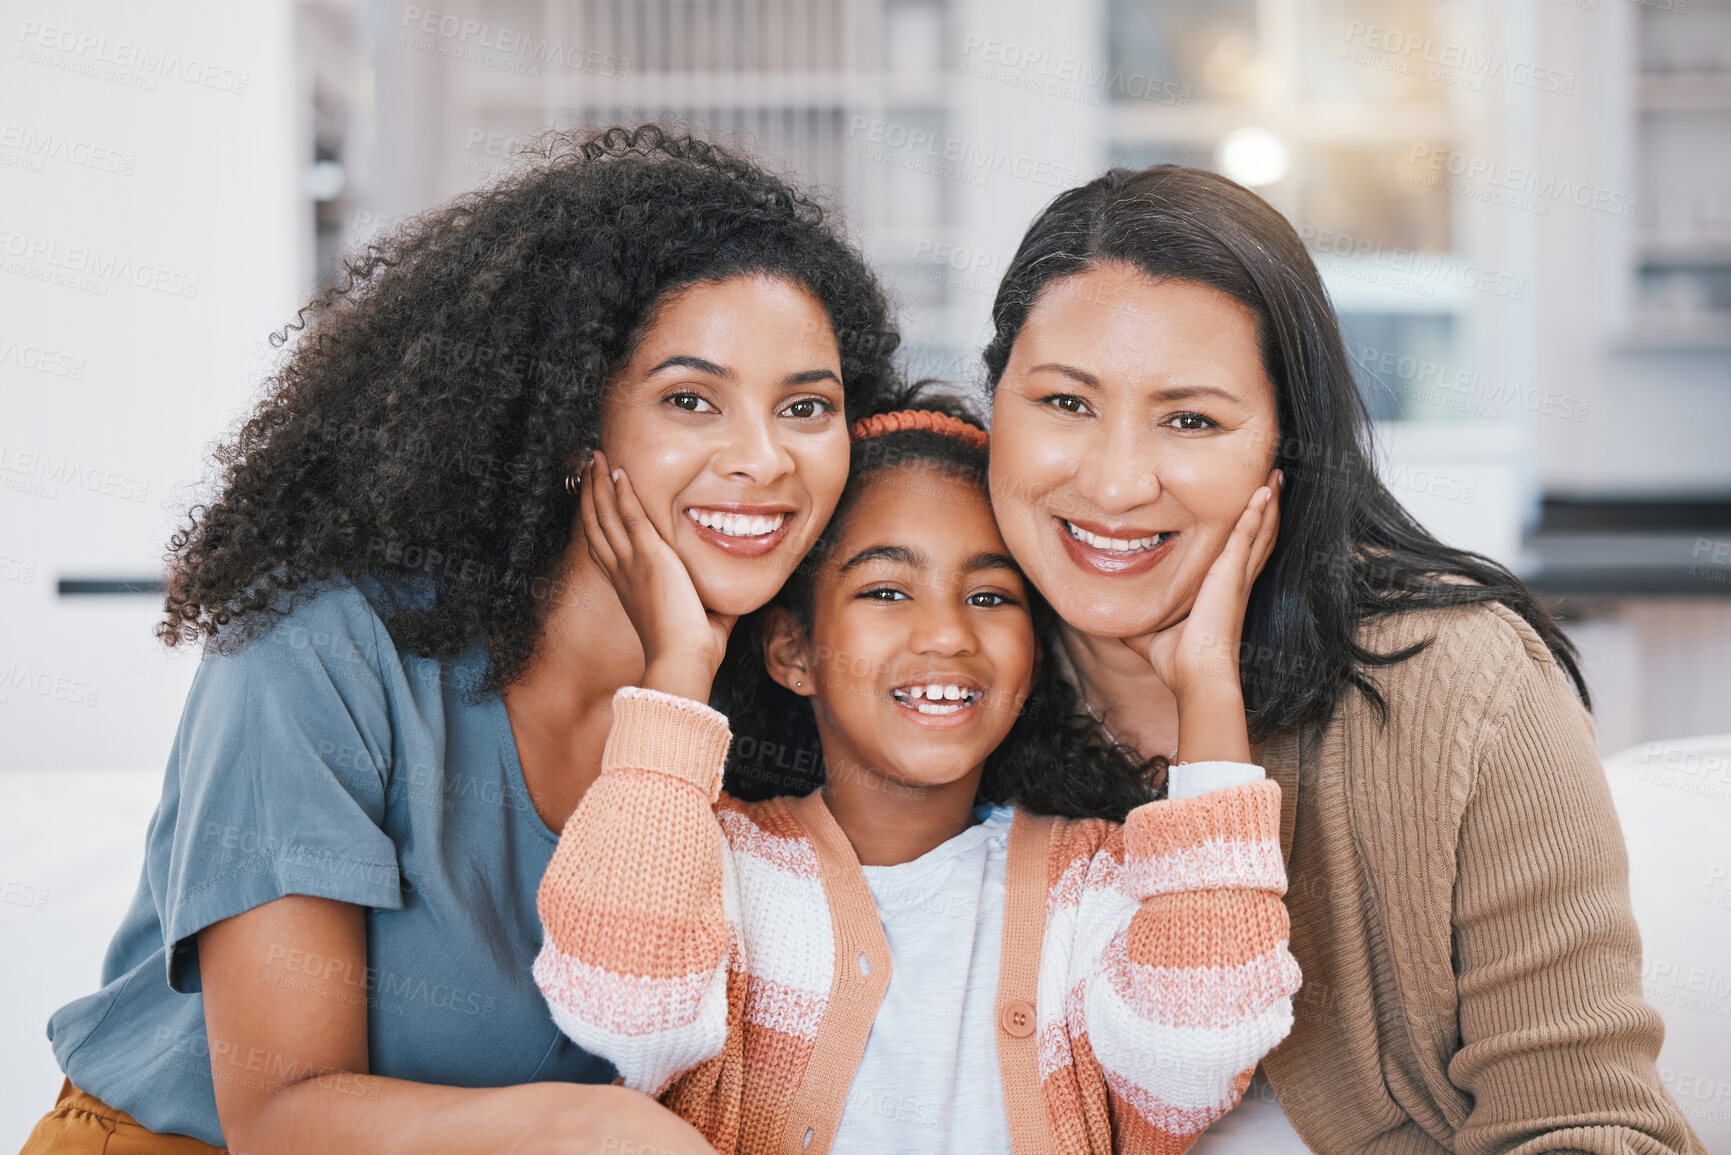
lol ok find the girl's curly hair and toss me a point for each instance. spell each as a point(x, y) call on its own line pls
point(424, 424)
point(1054, 760)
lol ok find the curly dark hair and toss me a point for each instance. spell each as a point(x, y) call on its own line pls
point(1054, 760)
point(425, 421)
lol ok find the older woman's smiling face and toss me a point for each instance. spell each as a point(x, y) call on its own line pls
point(1133, 420)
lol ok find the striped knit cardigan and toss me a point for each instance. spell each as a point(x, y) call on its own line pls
point(728, 957)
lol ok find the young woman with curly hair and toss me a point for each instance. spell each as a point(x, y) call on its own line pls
point(411, 657)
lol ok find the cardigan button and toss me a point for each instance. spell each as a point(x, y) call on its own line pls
point(1017, 1019)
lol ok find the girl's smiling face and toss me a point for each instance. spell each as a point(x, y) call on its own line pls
point(728, 419)
point(921, 649)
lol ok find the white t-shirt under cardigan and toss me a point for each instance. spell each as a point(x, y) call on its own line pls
point(928, 1081)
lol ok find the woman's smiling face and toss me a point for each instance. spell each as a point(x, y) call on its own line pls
point(1133, 420)
point(728, 420)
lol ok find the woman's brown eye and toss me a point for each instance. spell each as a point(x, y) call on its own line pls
point(687, 401)
point(803, 409)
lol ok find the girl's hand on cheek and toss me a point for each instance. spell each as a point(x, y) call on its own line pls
point(683, 643)
point(1198, 657)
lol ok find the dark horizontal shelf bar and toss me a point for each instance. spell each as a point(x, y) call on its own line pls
point(1630, 583)
point(1641, 515)
point(81, 587)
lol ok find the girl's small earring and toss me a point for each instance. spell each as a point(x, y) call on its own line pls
point(573, 483)
point(797, 683)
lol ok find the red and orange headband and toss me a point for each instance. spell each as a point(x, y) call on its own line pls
point(927, 420)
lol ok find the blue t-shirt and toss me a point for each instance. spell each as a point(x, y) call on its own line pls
point(318, 760)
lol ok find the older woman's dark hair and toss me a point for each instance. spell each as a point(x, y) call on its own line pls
point(1054, 760)
point(1347, 550)
point(425, 422)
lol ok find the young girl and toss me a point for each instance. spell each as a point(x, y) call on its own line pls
point(910, 957)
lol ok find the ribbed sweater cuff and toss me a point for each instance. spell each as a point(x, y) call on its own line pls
point(1223, 838)
point(1193, 779)
point(670, 735)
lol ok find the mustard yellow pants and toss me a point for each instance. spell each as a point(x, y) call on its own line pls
point(83, 1123)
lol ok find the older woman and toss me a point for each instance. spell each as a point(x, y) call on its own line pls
point(411, 656)
point(1459, 894)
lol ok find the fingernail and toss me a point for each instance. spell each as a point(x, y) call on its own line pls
point(617, 474)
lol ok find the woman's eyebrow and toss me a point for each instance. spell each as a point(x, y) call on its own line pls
point(697, 363)
point(1080, 376)
point(896, 553)
point(704, 365)
point(1175, 393)
point(811, 377)
point(1185, 392)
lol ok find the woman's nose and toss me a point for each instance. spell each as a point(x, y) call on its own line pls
point(1119, 468)
point(753, 452)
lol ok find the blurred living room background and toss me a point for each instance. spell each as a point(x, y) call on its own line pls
point(1521, 208)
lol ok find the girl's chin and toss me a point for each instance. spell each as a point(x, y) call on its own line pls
point(924, 779)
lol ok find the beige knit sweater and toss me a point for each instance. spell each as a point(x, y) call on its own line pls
point(1460, 908)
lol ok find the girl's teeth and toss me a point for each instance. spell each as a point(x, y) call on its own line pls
point(926, 699)
point(1114, 544)
point(736, 524)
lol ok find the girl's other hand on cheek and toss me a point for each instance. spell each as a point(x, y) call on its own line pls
point(683, 642)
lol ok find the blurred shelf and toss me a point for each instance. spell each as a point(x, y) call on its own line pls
point(1686, 333)
point(1670, 513)
point(1613, 568)
point(67, 587)
point(1696, 92)
point(1631, 547)
point(1707, 251)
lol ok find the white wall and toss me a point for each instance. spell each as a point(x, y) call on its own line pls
point(1020, 91)
point(148, 170)
point(1657, 422)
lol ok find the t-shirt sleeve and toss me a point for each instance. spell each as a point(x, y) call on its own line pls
point(281, 761)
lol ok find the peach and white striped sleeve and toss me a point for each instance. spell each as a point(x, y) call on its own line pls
point(1197, 986)
point(634, 905)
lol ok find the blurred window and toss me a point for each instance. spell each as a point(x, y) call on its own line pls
point(1372, 51)
point(1377, 194)
point(1401, 362)
point(1209, 46)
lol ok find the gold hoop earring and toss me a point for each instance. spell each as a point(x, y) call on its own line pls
point(573, 483)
